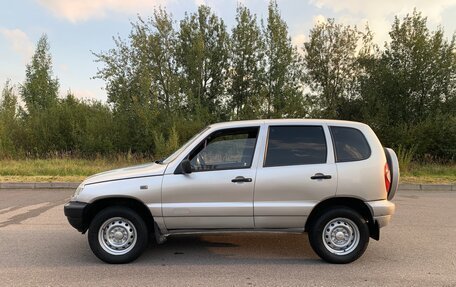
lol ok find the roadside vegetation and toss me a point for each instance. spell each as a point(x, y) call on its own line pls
point(170, 78)
point(65, 169)
point(62, 169)
point(430, 173)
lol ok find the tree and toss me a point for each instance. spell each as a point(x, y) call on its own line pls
point(128, 74)
point(163, 45)
point(40, 89)
point(283, 92)
point(203, 59)
point(423, 64)
point(8, 101)
point(168, 79)
point(247, 72)
point(409, 95)
point(331, 60)
point(8, 119)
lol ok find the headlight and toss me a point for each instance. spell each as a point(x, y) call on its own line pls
point(78, 190)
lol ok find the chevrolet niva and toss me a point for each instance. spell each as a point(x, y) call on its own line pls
point(331, 179)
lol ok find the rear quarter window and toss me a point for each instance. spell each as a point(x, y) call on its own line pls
point(350, 144)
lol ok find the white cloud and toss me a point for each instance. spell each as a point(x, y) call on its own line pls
point(298, 40)
point(380, 13)
point(432, 9)
point(319, 19)
point(19, 42)
point(200, 2)
point(83, 10)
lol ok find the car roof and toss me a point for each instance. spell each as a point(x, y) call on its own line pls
point(285, 122)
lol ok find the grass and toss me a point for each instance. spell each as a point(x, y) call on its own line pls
point(75, 170)
point(429, 173)
point(59, 169)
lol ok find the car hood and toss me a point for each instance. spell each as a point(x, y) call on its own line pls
point(150, 169)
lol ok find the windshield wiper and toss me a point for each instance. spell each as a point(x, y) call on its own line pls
point(160, 161)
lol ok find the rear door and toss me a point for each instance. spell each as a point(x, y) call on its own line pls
point(296, 172)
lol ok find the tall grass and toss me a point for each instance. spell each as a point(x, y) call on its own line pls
point(405, 157)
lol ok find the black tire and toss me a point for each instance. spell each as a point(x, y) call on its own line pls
point(121, 221)
point(341, 224)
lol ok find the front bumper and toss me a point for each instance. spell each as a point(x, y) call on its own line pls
point(75, 212)
point(382, 211)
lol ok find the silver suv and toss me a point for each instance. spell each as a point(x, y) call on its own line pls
point(331, 179)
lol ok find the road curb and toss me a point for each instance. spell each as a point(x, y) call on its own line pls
point(409, 186)
point(39, 185)
point(428, 187)
point(74, 185)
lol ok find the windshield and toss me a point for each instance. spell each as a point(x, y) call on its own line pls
point(178, 152)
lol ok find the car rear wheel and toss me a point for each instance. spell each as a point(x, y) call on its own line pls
point(339, 235)
point(117, 235)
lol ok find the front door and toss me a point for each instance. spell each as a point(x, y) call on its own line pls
point(218, 193)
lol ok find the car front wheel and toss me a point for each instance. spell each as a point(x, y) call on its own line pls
point(117, 235)
point(340, 235)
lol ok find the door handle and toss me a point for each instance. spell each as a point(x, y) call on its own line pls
point(241, 179)
point(320, 176)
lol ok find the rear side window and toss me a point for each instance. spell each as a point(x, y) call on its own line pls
point(295, 145)
point(350, 144)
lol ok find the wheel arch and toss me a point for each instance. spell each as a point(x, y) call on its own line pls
point(132, 203)
point(350, 202)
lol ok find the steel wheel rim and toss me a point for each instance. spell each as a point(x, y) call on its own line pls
point(117, 236)
point(341, 236)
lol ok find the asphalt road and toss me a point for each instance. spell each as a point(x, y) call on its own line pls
point(39, 248)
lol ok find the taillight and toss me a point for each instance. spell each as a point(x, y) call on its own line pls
point(387, 178)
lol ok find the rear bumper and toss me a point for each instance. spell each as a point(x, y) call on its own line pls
point(75, 212)
point(383, 220)
point(382, 211)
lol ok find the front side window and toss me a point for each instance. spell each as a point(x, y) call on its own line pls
point(350, 144)
point(295, 145)
point(225, 149)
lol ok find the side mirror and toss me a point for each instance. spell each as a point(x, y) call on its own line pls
point(186, 167)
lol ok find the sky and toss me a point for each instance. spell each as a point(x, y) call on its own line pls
point(76, 28)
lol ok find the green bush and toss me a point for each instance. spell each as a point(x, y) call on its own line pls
point(164, 147)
